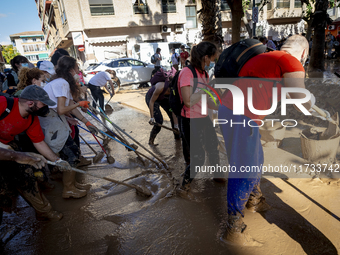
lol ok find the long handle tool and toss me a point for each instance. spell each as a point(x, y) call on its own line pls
point(140, 190)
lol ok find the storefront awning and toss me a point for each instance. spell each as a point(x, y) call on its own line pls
point(122, 38)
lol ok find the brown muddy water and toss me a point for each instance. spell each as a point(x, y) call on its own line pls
point(113, 219)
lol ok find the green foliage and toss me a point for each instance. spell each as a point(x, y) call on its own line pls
point(9, 52)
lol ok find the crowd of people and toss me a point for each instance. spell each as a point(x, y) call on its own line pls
point(40, 108)
point(39, 112)
point(243, 145)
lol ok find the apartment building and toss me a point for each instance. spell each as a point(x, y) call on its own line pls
point(94, 30)
point(31, 44)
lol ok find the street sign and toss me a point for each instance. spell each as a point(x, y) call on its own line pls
point(255, 14)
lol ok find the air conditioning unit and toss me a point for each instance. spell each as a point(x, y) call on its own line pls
point(165, 29)
point(179, 29)
point(331, 27)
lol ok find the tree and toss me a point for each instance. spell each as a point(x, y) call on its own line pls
point(210, 16)
point(320, 19)
point(9, 52)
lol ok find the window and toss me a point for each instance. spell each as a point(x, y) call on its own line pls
point(113, 64)
point(140, 7)
point(297, 4)
point(282, 3)
point(123, 63)
point(32, 57)
point(168, 6)
point(224, 6)
point(24, 40)
point(135, 63)
point(269, 5)
point(190, 12)
point(34, 39)
point(101, 7)
point(62, 11)
point(13, 42)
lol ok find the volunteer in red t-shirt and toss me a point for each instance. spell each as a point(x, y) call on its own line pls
point(242, 142)
point(191, 122)
point(23, 117)
point(184, 56)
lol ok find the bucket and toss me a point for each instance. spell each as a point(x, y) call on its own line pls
point(272, 135)
point(318, 151)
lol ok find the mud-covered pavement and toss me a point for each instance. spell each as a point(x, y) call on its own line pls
point(113, 219)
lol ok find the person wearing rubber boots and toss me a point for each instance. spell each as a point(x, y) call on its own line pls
point(243, 143)
point(63, 90)
point(20, 115)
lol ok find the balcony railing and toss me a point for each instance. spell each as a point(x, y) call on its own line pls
point(140, 9)
point(283, 4)
point(169, 8)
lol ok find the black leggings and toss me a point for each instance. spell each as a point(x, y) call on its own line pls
point(97, 94)
point(158, 115)
point(198, 138)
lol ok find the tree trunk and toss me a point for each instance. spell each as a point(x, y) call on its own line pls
point(317, 61)
point(309, 29)
point(249, 30)
point(211, 22)
point(236, 14)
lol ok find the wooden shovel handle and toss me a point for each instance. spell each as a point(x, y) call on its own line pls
point(319, 111)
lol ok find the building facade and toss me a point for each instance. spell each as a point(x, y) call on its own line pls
point(31, 44)
point(94, 30)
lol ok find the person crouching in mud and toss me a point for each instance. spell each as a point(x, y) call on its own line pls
point(158, 95)
point(243, 143)
point(63, 90)
point(20, 174)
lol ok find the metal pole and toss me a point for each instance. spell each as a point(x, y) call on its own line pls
point(254, 24)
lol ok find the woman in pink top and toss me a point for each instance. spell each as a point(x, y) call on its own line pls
point(191, 122)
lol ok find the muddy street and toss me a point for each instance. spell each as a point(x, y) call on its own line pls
point(114, 219)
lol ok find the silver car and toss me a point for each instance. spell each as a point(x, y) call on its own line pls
point(128, 70)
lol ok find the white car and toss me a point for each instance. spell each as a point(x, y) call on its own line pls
point(128, 70)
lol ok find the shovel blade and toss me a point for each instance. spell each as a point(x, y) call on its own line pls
point(98, 157)
point(110, 159)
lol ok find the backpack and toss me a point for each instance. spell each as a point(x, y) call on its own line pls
point(10, 103)
point(234, 57)
point(159, 76)
point(174, 99)
point(153, 59)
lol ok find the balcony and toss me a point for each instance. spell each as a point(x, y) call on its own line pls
point(140, 9)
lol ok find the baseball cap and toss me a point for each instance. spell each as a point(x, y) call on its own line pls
point(34, 92)
point(47, 66)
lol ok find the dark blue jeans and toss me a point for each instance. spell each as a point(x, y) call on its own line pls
point(97, 94)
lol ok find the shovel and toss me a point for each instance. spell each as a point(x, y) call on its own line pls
point(110, 159)
point(98, 156)
point(176, 131)
point(108, 107)
point(140, 190)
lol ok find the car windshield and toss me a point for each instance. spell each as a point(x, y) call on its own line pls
point(92, 67)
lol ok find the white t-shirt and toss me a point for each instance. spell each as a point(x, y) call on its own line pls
point(174, 58)
point(100, 79)
point(58, 88)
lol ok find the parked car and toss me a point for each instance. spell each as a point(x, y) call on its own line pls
point(128, 70)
